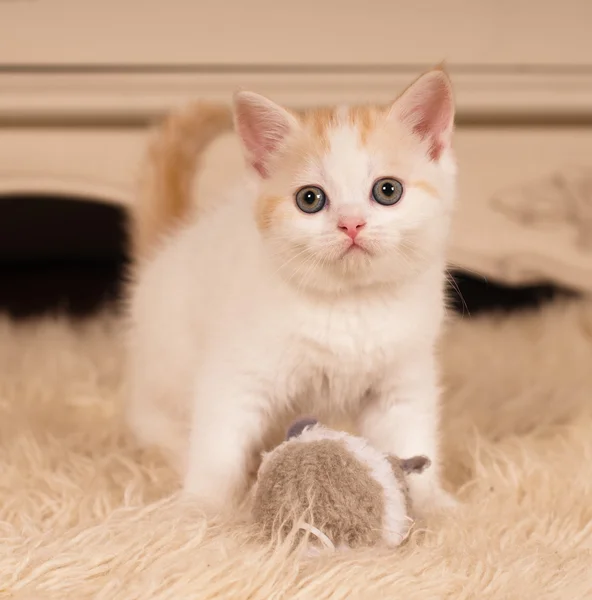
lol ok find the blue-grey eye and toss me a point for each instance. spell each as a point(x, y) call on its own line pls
point(387, 191)
point(310, 199)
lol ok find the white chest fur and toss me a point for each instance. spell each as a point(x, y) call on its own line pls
point(340, 350)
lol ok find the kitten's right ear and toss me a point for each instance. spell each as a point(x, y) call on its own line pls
point(427, 108)
point(262, 126)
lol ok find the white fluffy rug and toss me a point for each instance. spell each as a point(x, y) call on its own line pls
point(83, 514)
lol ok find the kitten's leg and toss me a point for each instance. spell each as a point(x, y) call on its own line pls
point(227, 423)
point(402, 417)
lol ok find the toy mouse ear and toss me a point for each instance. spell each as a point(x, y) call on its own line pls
point(299, 426)
point(415, 464)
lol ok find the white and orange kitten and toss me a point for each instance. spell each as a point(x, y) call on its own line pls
point(315, 286)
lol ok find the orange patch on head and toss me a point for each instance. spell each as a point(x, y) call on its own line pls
point(426, 187)
point(319, 121)
point(265, 209)
point(364, 119)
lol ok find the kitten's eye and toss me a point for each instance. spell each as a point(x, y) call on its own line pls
point(387, 191)
point(311, 199)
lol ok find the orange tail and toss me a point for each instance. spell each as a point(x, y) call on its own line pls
point(164, 199)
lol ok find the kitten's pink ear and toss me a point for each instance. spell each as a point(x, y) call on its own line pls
point(427, 108)
point(262, 126)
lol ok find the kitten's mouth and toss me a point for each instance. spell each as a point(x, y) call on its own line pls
point(355, 248)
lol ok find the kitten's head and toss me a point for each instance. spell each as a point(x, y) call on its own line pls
point(354, 196)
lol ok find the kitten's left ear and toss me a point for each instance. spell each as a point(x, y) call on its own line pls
point(262, 126)
point(427, 108)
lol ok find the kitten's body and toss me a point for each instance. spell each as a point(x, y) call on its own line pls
point(239, 316)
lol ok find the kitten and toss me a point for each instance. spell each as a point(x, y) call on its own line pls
point(314, 286)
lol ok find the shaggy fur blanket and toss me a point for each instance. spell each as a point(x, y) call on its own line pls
point(84, 514)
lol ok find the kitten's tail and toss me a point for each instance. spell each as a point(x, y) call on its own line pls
point(173, 158)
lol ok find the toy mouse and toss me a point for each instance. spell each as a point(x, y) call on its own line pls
point(346, 493)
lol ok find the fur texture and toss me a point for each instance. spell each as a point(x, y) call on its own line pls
point(355, 494)
point(261, 307)
point(85, 514)
point(344, 502)
point(172, 159)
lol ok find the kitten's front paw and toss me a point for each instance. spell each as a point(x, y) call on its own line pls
point(443, 500)
point(211, 503)
point(208, 506)
point(430, 499)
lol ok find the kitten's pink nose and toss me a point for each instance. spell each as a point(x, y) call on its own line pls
point(351, 226)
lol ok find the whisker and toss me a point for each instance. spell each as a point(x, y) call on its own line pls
point(310, 270)
point(305, 263)
point(469, 271)
point(452, 282)
point(294, 257)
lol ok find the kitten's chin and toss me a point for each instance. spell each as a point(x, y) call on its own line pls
point(353, 252)
point(344, 268)
point(341, 273)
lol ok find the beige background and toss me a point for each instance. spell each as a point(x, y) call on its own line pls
point(308, 32)
point(80, 82)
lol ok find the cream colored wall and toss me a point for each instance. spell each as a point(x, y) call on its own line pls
point(80, 81)
point(306, 32)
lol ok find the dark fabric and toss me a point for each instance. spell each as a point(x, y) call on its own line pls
point(34, 228)
point(60, 255)
point(471, 295)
